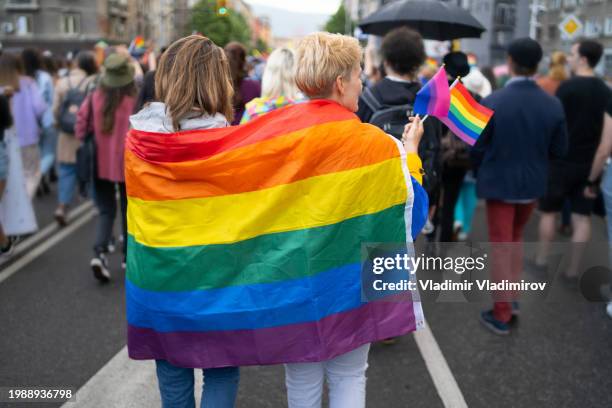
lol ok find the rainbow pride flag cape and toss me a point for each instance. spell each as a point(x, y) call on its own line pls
point(434, 97)
point(466, 117)
point(244, 242)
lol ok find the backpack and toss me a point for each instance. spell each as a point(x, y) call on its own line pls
point(70, 107)
point(393, 119)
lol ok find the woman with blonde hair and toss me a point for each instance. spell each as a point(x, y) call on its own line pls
point(194, 90)
point(329, 71)
point(556, 74)
point(278, 87)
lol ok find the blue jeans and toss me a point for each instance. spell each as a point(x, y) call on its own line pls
point(67, 179)
point(606, 192)
point(176, 385)
point(48, 145)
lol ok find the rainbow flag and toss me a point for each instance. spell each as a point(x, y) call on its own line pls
point(434, 97)
point(244, 242)
point(466, 117)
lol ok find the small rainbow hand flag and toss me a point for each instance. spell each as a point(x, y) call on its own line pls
point(434, 97)
point(466, 117)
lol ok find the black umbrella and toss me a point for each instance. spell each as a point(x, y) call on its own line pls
point(435, 20)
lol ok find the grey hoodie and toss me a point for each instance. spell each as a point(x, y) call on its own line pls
point(154, 118)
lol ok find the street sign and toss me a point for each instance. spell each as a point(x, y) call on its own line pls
point(570, 27)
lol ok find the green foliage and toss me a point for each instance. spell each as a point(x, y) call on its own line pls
point(337, 22)
point(220, 29)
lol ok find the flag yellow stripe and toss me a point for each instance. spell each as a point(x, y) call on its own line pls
point(308, 203)
point(457, 103)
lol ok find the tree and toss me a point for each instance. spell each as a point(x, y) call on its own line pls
point(337, 22)
point(220, 29)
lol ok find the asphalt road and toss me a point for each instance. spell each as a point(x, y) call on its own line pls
point(59, 327)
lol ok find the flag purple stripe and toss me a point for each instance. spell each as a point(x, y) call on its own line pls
point(458, 132)
point(342, 333)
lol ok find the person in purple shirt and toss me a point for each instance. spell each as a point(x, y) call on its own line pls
point(28, 108)
point(245, 89)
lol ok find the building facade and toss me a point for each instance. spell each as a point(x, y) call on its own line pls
point(595, 17)
point(64, 25)
point(504, 20)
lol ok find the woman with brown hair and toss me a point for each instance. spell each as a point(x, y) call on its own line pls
point(106, 112)
point(244, 89)
point(194, 90)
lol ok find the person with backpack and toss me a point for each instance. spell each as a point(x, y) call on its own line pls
point(388, 103)
point(69, 95)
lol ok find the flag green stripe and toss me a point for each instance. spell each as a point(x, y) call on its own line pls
point(264, 259)
point(465, 121)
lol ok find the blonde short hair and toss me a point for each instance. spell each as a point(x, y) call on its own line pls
point(323, 57)
point(279, 75)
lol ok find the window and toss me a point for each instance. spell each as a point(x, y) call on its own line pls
point(70, 24)
point(23, 25)
point(22, 3)
point(505, 14)
point(592, 28)
point(607, 64)
point(555, 4)
point(553, 32)
point(608, 27)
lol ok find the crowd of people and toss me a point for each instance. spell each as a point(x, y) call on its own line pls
point(547, 146)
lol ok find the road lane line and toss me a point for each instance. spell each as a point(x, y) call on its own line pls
point(44, 246)
point(125, 383)
point(438, 368)
point(48, 230)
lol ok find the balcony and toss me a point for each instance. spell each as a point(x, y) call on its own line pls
point(20, 5)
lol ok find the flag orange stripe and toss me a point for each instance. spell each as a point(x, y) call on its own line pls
point(262, 165)
point(485, 113)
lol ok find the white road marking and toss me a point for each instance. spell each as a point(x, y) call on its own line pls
point(438, 368)
point(31, 241)
point(44, 246)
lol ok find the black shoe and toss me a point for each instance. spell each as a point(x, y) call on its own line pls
point(99, 266)
point(8, 249)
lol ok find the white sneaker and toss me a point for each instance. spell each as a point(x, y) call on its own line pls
point(428, 228)
point(99, 266)
point(609, 310)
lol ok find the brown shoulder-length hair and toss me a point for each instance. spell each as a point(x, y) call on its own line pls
point(193, 76)
point(236, 54)
point(112, 99)
point(11, 69)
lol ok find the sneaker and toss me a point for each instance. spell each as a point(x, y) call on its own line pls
point(111, 247)
point(123, 264)
point(428, 228)
point(60, 217)
point(491, 323)
point(8, 249)
point(99, 266)
point(609, 310)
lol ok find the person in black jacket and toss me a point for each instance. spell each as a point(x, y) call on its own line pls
point(511, 158)
point(403, 53)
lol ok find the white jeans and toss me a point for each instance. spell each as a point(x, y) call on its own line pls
point(345, 378)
